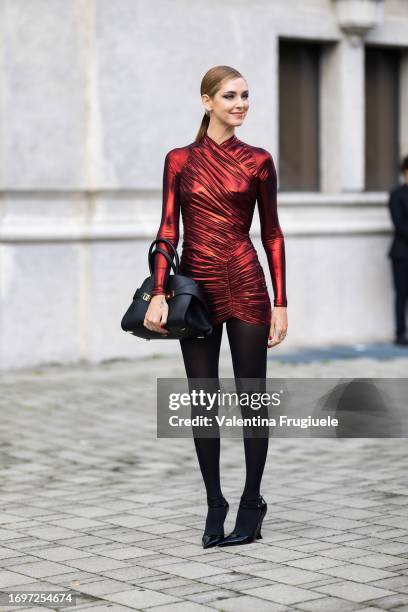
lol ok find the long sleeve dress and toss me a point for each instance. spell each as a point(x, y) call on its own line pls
point(215, 186)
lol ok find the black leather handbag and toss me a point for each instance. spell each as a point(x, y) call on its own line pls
point(188, 315)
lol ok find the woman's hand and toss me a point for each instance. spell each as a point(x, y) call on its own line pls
point(279, 325)
point(156, 314)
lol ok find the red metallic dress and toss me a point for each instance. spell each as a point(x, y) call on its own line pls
point(216, 186)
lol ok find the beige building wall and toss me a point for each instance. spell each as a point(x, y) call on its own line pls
point(93, 95)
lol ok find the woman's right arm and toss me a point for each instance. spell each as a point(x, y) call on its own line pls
point(169, 225)
point(157, 311)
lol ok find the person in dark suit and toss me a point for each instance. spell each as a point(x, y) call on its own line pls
point(398, 206)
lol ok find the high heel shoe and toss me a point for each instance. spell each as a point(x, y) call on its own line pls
point(211, 539)
point(260, 506)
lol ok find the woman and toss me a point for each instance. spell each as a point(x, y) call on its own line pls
point(215, 182)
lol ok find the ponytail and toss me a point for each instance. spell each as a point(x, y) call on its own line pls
point(202, 130)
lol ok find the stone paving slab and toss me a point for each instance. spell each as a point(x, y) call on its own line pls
point(374, 350)
point(92, 501)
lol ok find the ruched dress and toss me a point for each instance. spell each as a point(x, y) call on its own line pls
point(216, 186)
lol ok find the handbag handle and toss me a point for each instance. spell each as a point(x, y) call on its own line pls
point(159, 250)
point(167, 256)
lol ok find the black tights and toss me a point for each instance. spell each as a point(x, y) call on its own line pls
point(248, 343)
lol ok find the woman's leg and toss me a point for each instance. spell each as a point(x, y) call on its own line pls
point(201, 360)
point(249, 345)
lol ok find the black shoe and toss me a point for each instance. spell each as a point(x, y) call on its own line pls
point(220, 507)
point(259, 508)
point(401, 341)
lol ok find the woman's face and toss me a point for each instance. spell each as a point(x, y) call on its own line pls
point(230, 104)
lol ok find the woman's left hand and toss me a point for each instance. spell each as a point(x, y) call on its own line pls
point(279, 325)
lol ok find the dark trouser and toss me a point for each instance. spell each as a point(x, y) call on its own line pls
point(400, 276)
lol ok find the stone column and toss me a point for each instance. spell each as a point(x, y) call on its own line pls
point(342, 98)
point(403, 118)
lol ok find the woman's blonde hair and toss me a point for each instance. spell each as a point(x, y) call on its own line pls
point(210, 84)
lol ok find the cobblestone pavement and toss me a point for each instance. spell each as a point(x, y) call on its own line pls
point(92, 501)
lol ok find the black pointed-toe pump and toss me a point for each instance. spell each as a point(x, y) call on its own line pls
point(258, 507)
point(212, 539)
